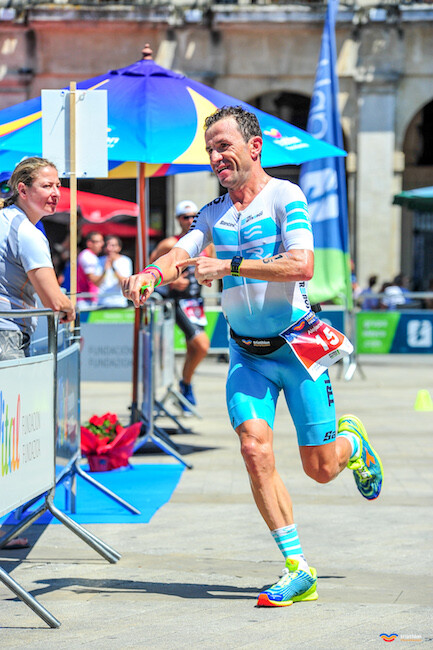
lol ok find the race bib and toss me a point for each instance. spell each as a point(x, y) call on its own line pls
point(316, 344)
point(193, 308)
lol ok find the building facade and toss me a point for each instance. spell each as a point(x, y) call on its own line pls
point(265, 54)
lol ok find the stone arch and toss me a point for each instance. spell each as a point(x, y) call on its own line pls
point(291, 107)
point(416, 231)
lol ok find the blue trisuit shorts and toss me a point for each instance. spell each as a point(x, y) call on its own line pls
point(254, 383)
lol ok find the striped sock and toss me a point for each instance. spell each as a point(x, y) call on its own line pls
point(288, 542)
point(353, 441)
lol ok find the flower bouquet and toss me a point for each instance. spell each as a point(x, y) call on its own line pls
point(106, 443)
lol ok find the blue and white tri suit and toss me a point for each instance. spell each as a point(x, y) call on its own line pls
point(275, 221)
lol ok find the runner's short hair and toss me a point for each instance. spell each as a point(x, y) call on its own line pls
point(247, 122)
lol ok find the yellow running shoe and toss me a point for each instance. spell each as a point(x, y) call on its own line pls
point(294, 585)
point(367, 468)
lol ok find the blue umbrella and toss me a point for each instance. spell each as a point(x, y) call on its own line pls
point(156, 116)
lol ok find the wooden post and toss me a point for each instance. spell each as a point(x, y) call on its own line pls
point(141, 258)
point(73, 191)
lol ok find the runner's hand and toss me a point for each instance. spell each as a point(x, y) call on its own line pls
point(207, 269)
point(133, 288)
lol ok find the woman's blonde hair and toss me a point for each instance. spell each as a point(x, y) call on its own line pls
point(25, 172)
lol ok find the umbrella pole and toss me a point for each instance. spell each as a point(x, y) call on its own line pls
point(141, 256)
point(73, 195)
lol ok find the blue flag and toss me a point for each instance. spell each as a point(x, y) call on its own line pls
point(324, 181)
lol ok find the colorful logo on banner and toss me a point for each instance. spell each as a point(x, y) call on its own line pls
point(9, 436)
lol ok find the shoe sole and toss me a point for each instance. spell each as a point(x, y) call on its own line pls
point(311, 594)
point(364, 436)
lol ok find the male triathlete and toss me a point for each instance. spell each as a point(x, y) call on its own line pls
point(264, 246)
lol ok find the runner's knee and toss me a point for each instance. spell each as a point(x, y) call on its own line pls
point(319, 470)
point(199, 345)
point(258, 455)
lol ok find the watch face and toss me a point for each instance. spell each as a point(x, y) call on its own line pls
point(235, 264)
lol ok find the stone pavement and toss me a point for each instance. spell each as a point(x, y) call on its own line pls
point(190, 578)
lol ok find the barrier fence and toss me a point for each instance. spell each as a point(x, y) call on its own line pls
point(40, 441)
point(157, 371)
point(107, 335)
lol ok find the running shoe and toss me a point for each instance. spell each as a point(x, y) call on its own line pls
point(294, 586)
point(367, 468)
point(187, 392)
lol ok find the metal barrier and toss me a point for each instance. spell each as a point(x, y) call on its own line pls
point(29, 471)
point(158, 371)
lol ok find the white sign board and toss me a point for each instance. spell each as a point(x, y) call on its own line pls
point(91, 128)
point(26, 430)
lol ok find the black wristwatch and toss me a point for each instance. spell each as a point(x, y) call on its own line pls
point(235, 265)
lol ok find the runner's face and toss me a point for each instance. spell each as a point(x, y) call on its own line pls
point(42, 196)
point(229, 154)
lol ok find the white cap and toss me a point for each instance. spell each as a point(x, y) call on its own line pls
point(186, 207)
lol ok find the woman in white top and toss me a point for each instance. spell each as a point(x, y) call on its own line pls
point(26, 268)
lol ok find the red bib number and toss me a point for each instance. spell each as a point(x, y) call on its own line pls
point(316, 344)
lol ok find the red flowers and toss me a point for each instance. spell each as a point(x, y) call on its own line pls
point(105, 426)
point(106, 444)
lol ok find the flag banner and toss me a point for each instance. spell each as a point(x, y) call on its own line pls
point(324, 181)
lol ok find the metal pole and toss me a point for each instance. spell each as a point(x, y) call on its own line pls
point(98, 545)
point(28, 599)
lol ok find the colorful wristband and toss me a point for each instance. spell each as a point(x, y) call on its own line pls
point(148, 270)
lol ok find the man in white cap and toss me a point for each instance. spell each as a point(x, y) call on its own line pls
point(185, 291)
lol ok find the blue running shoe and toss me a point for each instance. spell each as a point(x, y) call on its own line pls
point(367, 468)
point(294, 585)
point(187, 392)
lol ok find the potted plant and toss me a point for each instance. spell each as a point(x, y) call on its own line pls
point(106, 443)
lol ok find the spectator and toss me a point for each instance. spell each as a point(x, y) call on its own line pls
point(356, 289)
point(428, 302)
point(26, 268)
point(116, 267)
point(89, 270)
point(367, 298)
point(186, 293)
point(394, 297)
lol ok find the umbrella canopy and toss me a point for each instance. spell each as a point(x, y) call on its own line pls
point(105, 214)
point(156, 116)
point(96, 207)
point(420, 199)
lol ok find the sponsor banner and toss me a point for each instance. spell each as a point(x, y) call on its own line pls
point(67, 426)
point(26, 430)
point(107, 346)
point(106, 353)
point(395, 332)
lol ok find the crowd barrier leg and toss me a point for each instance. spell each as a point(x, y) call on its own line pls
point(350, 364)
point(161, 408)
point(23, 525)
point(162, 440)
point(146, 415)
point(180, 398)
point(28, 599)
point(105, 490)
point(94, 542)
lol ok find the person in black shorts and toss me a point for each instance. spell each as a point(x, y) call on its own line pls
point(186, 293)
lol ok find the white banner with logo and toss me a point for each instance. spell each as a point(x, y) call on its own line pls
point(26, 430)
